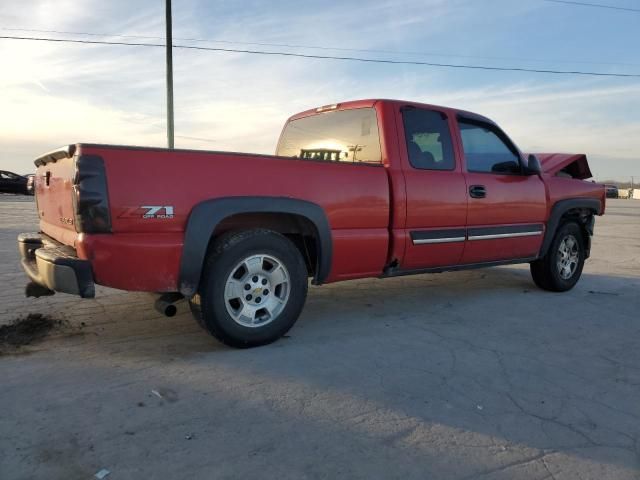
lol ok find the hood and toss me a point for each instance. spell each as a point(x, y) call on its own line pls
point(574, 164)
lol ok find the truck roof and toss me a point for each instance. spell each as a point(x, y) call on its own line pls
point(370, 102)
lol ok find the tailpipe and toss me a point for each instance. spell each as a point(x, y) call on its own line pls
point(166, 303)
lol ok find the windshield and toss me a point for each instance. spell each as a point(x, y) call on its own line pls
point(339, 136)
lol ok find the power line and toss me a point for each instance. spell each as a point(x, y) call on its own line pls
point(316, 47)
point(331, 57)
point(199, 139)
point(597, 5)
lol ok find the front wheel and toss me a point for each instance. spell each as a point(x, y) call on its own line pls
point(560, 269)
point(253, 288)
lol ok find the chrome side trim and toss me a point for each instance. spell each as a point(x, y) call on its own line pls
point(455, 235)
point(438, 240)
point(504, 235)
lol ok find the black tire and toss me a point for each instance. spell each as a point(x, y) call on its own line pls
point(210, 306)
point(545, 271)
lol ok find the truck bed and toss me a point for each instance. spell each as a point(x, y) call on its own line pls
point(355, 198)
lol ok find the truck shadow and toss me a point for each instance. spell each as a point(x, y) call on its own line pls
point(436, 368)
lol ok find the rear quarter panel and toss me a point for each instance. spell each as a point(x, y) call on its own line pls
point(355, 199)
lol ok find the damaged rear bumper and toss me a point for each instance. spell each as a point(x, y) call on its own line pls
point(55, 266)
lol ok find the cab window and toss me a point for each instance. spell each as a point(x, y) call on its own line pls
point(485, 151)
point(335, 136)
point(428, 139)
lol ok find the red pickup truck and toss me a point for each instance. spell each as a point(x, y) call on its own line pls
point(370, 188)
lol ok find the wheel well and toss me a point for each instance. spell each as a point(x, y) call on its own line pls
point(296, 228)
point(584, 217)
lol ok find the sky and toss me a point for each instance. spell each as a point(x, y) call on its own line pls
point(55, 94)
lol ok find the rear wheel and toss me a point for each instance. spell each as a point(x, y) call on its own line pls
point(253, 288)
point(560, 269)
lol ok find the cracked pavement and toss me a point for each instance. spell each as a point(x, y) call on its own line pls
point(451, 376)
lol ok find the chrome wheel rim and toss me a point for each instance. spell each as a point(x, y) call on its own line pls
point(568, 257)
point(257, 290)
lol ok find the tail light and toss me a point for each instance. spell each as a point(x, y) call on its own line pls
point(90, 196)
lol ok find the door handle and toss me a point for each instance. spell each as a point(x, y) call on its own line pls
point(477, 191)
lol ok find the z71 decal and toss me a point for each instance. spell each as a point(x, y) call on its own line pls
point(149, 211)
point(155, 211)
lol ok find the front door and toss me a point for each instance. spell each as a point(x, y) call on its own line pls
point(436, 191)
point(506, 207)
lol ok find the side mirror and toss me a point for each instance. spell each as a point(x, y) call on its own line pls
point(533, 166)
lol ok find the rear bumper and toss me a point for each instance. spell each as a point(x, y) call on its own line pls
point(55, 266)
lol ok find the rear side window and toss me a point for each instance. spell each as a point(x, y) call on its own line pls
point(428, 138)
point(339, 136)
point(485, 151)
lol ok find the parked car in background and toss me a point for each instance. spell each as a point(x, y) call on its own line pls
point(30, 183)
point(12, 183)
point(612, 191)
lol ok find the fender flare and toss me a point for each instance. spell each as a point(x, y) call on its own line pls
point(206, 215)
point(558, 210)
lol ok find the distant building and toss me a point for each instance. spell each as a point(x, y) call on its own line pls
point(321, 154)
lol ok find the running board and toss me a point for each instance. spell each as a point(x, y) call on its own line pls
point(398, 272)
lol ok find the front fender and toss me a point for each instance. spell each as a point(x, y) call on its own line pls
point(561, 208)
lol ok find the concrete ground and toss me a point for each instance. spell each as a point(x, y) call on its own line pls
point(452, 376)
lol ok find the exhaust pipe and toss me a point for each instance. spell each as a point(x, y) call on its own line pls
point(166, 303)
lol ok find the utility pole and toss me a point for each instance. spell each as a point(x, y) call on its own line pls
point(355, 149)
point(169, 75)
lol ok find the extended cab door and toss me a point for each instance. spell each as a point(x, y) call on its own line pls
point(435, 189)
point(506, 207)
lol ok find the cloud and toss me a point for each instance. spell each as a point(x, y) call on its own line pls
point(55, 94)
point(590, 119)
